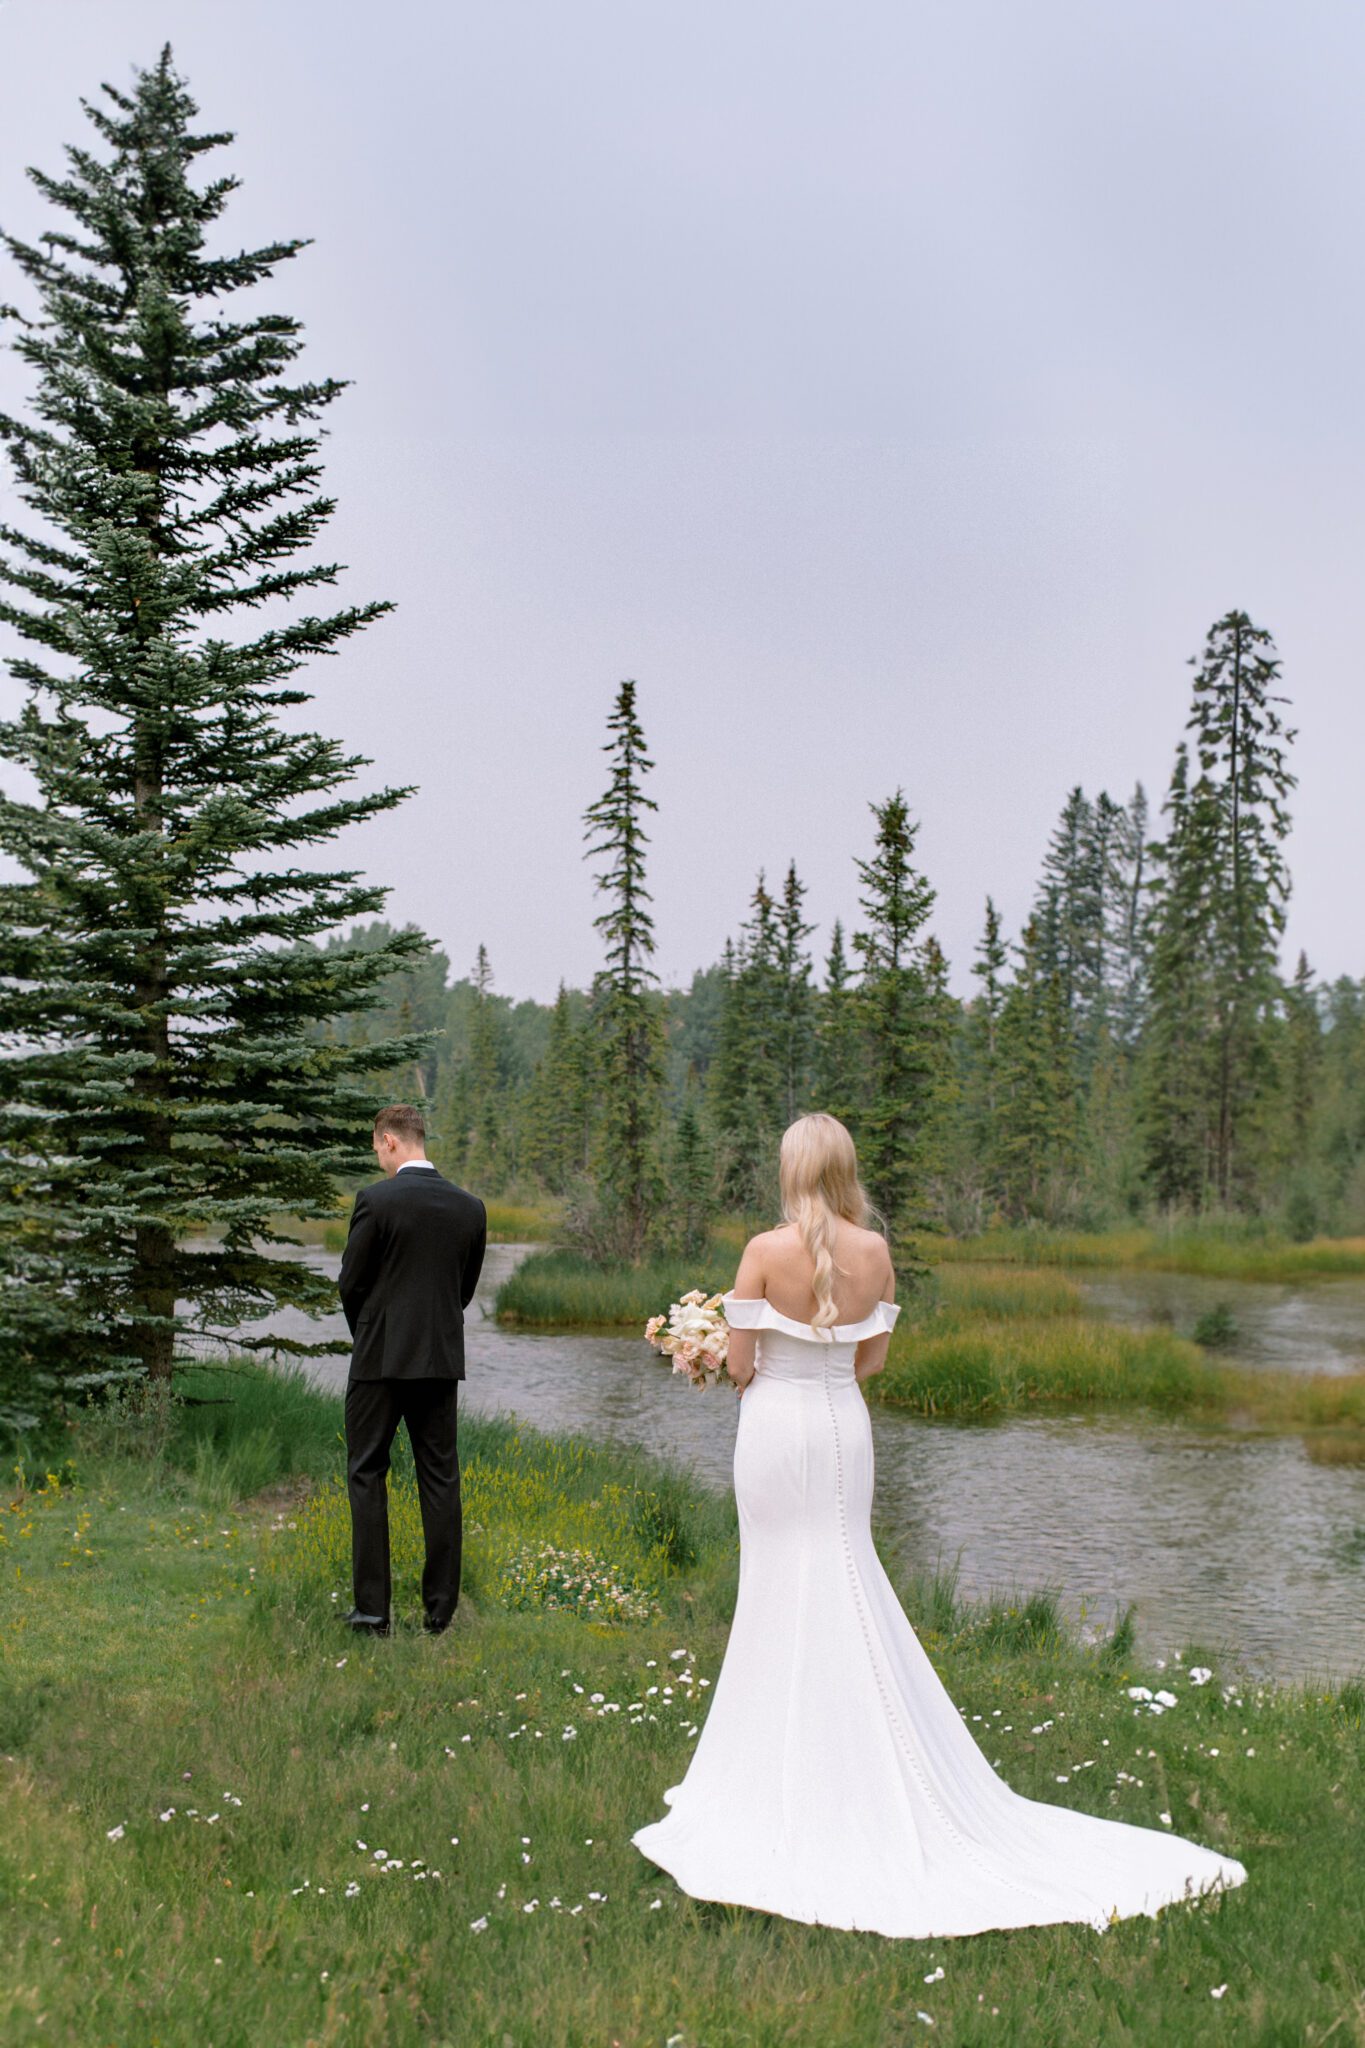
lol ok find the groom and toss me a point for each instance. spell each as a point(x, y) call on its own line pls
point(411, 1264)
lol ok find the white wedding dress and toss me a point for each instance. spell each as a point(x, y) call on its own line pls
point(834, 1781)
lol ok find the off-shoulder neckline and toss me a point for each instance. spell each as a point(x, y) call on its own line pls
point(880, 1319)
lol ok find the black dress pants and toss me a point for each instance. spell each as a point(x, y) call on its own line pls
point(374, 1409)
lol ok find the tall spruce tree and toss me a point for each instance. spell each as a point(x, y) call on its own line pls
point(1226, 877)
point(474, 1125)
point(1175, 1071)
point(629, 1035)
point(1342, 1113)
point(899, 1014)
point(1073, 915)
point(1126, 922)
point(798, 1008)
point(165, 1068)
point(1242, 745)
point(749, 1074)
point(1064, 914)
point(556, 1111)
point(838, 1063)
point(982, 1050)
point(1301, 1067)
point(1035, 1124)
point(690, 1181)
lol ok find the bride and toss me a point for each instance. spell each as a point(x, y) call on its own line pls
point(834, 1780)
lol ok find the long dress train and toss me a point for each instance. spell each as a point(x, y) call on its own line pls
point(834, 1781)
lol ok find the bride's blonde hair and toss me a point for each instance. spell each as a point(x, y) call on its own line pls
point(818, 1176)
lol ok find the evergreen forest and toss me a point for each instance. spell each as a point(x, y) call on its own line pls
point(1134, 1052)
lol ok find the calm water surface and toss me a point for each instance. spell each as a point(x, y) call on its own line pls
point(1235, 1543)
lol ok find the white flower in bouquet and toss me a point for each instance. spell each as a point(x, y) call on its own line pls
point(695, 1335)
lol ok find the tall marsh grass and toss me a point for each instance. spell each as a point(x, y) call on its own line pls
point(1219, 1250)
point(562, 1289)
point(985, 1341)
point(1014, 1362)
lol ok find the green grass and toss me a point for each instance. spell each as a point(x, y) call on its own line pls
point(165, 1651)
point(563, 1290)
point(1229, 1251)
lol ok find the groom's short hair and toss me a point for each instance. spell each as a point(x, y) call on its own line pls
point(403, 1121)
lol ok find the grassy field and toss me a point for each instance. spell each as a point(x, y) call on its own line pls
point(227, 1823)
point(1220, 1250)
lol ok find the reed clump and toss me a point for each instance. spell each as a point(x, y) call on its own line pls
point(963, 1366)
point(986, 1341)
point(564, 1290)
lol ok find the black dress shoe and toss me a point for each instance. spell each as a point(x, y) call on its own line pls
point(366, 1624)
point(434, 1628)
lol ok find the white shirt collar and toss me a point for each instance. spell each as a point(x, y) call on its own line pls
point(422, 1165)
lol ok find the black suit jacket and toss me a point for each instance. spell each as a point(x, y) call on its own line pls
point(411, 1264)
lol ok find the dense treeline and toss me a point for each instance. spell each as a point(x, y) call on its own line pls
point(1133, 1049)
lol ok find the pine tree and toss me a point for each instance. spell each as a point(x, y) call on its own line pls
point(556, 1114)
point(1064, 912)
point(1301, 1068)
point(1241, 745)
point(1035, 1126)
point(749, 1076)
point(481, 1140)
point(1342, 1096)
point(169, 1066)
point(690, 1175)
point(1072, 916)
point(1175, 1076)
point(798, 1008)
point(1222, 893)
point(898, 1015)
point(629, 1037)
point(942, 1026)
point(1303, 1061)
point(838, 1069)
point(1126, 922)
point(412, 1000)
point(982, 1048)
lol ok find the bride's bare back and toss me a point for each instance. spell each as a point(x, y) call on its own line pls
point(776, 1267)
point(862, 1272)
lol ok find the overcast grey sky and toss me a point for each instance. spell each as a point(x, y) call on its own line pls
point(896, 391)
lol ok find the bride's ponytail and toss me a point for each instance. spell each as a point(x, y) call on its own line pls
point(818, 1171)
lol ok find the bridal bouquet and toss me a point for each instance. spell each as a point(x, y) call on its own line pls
point(695, 1335)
